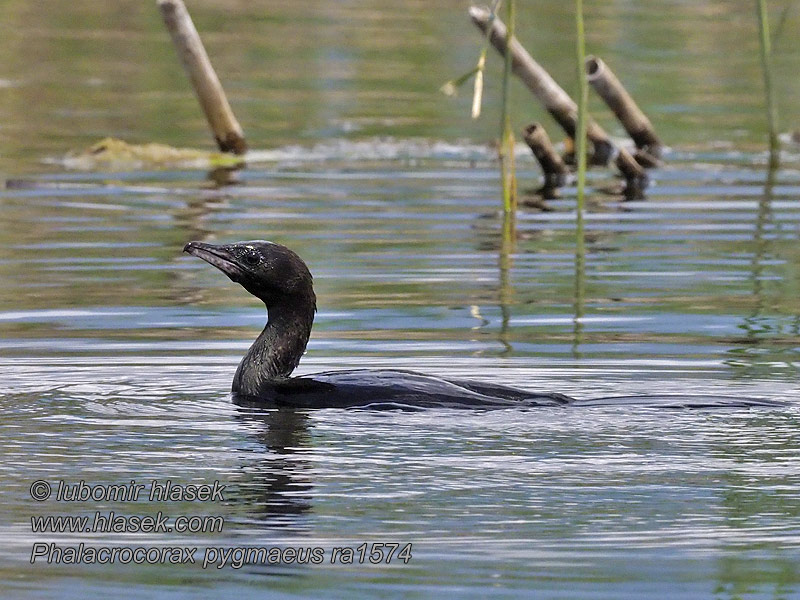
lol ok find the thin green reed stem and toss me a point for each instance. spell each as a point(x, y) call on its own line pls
point(580, 153)
point(508, 175)
point(766, 54)
point(507, 65)
point(583, 92)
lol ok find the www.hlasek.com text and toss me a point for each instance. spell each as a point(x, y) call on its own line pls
point(111, 522)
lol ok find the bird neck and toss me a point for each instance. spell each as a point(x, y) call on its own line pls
point(277, 350)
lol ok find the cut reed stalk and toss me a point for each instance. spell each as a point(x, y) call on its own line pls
point(636, 178)
point(553, 167)
point(635, 122)
point(224, 126)
point(555, 100)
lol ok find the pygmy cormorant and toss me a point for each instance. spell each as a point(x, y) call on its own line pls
point(281, 279)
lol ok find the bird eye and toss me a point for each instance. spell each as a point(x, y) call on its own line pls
point(252, 259)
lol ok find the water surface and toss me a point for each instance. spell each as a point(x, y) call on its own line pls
point(117, 350)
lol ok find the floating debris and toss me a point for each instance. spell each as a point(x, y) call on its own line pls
point(116, 155)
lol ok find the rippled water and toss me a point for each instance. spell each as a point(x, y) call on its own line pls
point(117, 350)
point(117, 356)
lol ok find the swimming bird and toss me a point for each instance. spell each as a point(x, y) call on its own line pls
point(278, 277)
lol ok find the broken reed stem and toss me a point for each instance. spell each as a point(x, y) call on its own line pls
point(766, 68)
point(224, 126)
point(553, 166)
point(635, 122)
point(507, 168)
point(477, 91)
point(636, 179)
point(541, 84)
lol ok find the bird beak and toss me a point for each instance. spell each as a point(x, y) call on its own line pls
point(218, 256)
